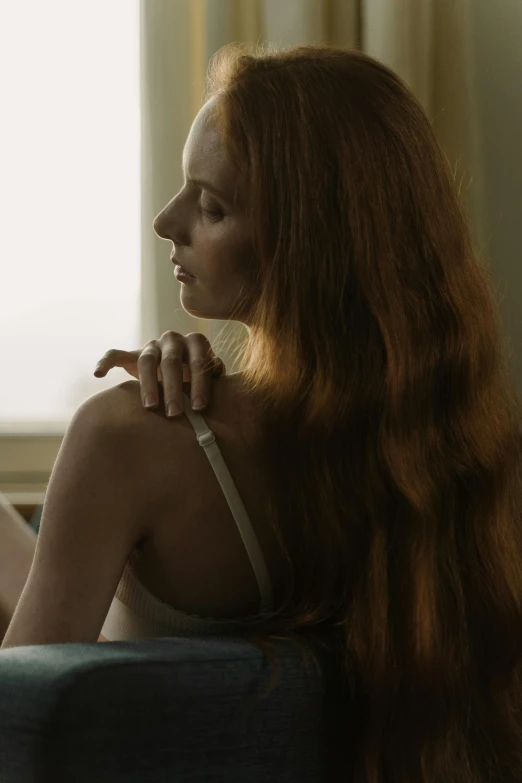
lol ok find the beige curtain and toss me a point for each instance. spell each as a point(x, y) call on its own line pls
point(427, 42)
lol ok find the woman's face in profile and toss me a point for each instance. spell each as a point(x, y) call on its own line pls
point(210, 230)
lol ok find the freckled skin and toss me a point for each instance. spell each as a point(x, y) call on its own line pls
point(216, 248)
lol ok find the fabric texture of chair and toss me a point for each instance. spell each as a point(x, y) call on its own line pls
point(170, 709)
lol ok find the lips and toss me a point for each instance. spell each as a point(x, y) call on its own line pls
point(179, 268)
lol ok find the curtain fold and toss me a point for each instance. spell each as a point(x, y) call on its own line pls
point(427, 42)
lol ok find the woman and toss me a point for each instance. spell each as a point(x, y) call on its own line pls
point(381, 454)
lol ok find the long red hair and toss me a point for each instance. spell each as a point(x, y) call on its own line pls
point(391, 438)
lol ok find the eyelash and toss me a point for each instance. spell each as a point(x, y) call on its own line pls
point(214, 216)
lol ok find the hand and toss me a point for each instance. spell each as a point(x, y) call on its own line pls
point(174, 359)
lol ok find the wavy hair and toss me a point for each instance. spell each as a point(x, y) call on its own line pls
point(390, 439)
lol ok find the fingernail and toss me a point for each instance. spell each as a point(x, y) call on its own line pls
point(150, 401)
point(173, 409)
point(198, 402)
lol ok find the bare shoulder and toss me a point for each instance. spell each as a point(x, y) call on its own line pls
point(138, 435)
point(168, 447)
point(226, 402)
point(159, 443)
point(154, 433)
point(123, 405)
point(164, 442)
point(115, 403)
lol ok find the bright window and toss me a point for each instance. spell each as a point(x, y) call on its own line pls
point(69, 202)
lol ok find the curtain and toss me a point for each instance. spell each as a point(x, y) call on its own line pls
point(426, 42)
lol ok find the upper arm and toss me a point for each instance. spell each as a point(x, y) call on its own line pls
point(92, 518)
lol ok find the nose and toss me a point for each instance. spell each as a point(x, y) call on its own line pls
point(156, 225)
point(163, 224)
point(167, 222)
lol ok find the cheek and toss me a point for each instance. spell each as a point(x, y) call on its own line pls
point(226, 260)
point(222, 252)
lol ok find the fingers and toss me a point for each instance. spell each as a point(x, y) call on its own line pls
point(127, 360)
point(195, 351)
point(149, 373)
point(219, 367)
point(173, 359)
point(172, 347)
point(105, 364)
point(202, 367)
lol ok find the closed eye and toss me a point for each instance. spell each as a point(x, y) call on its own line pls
point(214, 216)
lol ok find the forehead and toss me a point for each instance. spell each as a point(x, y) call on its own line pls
point(204, 151)
point(205, 157)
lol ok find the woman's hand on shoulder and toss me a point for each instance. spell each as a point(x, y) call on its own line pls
point(174, 359)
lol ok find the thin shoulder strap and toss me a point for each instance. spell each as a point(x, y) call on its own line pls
point(208, 442)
